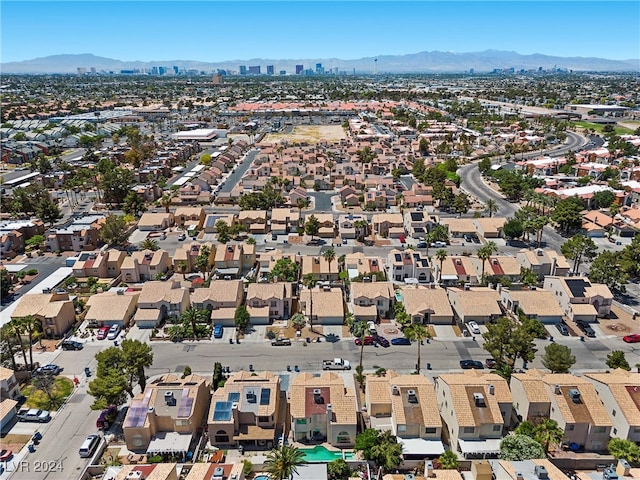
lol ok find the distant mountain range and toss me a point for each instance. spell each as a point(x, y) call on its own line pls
point(422, 62)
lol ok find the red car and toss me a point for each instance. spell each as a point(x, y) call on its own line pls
point(102, 333)
point(633, 338)
point(368, 340)
point(5, 455)
point(402, 239)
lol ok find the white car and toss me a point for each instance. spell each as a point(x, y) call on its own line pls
point(473, 327)
point(114, 331)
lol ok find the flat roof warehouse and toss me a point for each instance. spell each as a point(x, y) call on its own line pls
point(199, 135)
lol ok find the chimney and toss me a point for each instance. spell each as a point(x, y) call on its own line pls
point(492, 389)
point(395, 390)
point(556, 389)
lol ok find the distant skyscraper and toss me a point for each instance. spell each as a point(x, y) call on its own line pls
point(93, 70)
point(162, 70)
point(243, 69)
point(319, 69)
point(254, 70)
point(299, 69)
point(176, 70)
point(270, 69)
point(81, 70)
point(217, 79)
point(283, 72)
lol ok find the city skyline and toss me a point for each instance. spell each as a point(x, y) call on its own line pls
point(240, 31)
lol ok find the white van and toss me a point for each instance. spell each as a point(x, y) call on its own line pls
point(89, 446)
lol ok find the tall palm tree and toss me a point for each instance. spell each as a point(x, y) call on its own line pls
point(32, 326)
point(441, 255)
point(15, 329)
point(360, 330)
point(417, 332)
point(166, 202)
point(548, 433)
point(485, 252)
point(309, 281)
point(8, 342)
point(202, 261)
point(282, 462)
point(329, 255)
point(492, 207)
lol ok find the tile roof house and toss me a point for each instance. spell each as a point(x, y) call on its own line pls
point(538, 303)
point(253, 221)
point(166, 416)
point(372, 300)
point(619, 391)
point(327, 224)
point(579, 298)
point(186, 256)
point(269, 301)
point(417, 224)
point(490, 227)
point(527, 470)
point(426, 305)
point(159, 300)
point(155, 471)
point(480, 304)
point(475, 407)
point(357, 264)
point(325, 304)
point(320, 268)
point(544, 262)
point(144, 265)
point(403, 264)
point(498, 266)
point(9, 386)
point(388, 225)
point(110, 308)
point(187, 217)
point(99, 264)
point(246, 411)
point(208, 471)
point(406, 405)
point(323, 408)
point(347, 226)
point(213, 218)
point(284, 220)
point(54, 310)
point(150, 221)
point(457, 270)
point(234, 259)
point(221, 298)
point(569, 400)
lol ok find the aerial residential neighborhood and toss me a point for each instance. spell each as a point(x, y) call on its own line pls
point(222, 274)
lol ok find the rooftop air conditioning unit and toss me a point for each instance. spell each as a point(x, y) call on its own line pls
point(492, 389)
point(411, 392)
point(428, 469)
point(412, 397)
point(478, 398)
point(575, 395)
point(135, 474)
point(519, 476)
point(541, 472)
point(317, 391)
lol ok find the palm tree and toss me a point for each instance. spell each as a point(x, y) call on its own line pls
point(309, 281)
point(441, 255)
point(417, 332)
point(360, 329)
point(492, 207)
point(548, 433)
point(32, 326)
point(166, 201)
point(485, 252)
point(302, 203)
point(282, 462)
point(449, 460)
point(8, 342)
point(192, 316)
point(149, 244)
point(329, 255)
point(15, 329)
point(202, 262)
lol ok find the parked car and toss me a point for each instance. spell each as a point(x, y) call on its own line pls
point(368, 340)
point(182, 237)
point(49, 369)
point(586, 328)
point(421, 245)
point(5, 455)
point(72, 345)
point(400, 341)
point(473, 327)
point(281, 342)
point(102, 333)
point(113, 333)
point(402, 239)
point(469, 364)
point(217, 330)
point(633, 338)
point(438, 244)
point(382, 341)
point(34, 415)
point(610, 474)
point(490, 363)
point(562, 328)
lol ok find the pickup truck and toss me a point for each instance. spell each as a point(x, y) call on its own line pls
point(336, 364)
point(33, 415)
point(280, 342)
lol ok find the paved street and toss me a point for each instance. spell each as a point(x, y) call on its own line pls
point(234, 177)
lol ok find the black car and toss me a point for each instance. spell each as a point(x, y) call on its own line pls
point(586, 328)
point(562, 328)
point(469, 364)
point(382, 341)
point(72, 345)
point(421, 245)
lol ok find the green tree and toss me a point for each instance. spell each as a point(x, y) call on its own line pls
point(298, 321)
point(616, 359)
point(606, 269)
point(282, 462)
point(449, 460)
point(241, 318)
point(285, 270)
point(133, 204)
point(223, 230)
point(205, 159)
point(630, 257)
point(338, 470)
point(149, 244)
point(417, 332)
point(312, 226)
point(520, 447)
point(485, 252)
point(507, 342)
point(48, 211)
point(380, 447)
point(578, 248)
point(624, 449)
point(548, 433)
point(484, 165)
point(568, 214)
point(491, 207)
point(202, 261)
point(309, 281)
point(513, 228)
point(461, 203)
point(193, 316)
point(603, 199)
point(360, 329)
point(114, 231)
point(117, 183)
point(5, 283)
point(36, 241)
point(558, 358)
point(525, 428)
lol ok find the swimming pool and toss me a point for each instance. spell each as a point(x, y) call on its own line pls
point(320, 454)
point(262, 477)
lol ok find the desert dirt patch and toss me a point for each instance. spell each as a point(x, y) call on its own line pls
point(288, 331)
point(15, 442)
point(309, 134)
point(620, 324)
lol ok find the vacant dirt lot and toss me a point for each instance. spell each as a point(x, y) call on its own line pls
point(309, 134)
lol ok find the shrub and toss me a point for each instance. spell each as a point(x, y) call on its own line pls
point(247, 466)
point(186, 372)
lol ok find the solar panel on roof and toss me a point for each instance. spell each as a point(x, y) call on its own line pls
point(265, 396)
point(222, 411)
point(233, 396)
point(577, 287)
point(185, 407)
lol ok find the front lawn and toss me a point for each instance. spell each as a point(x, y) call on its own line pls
point(62, 388)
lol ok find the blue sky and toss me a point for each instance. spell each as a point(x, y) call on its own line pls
point(242, 30)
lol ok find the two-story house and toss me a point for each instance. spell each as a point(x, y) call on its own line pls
point(167, 415)
point(323, 409)
point(476, 408)
point(532, 303)
point(221, 298)
point(284, 220)
point(480, 304)
point(569, 400)
point(543, 262)
point(233, 260)
point(320, 268)
point(353, 226)
point(159, 300)
point(404, 264)
point(54, 310)
point(109, 308)
point(144, 265)
point(406, 405)
point(269, 301)
point(389, 225)
point(246, 411)
point(579, 298)
point(189, 218)
point(372, 300)
point(358, 264)
point(9, 386)
point(457, 270)
point(323, 306)
point(186, 256)
point(253, 221)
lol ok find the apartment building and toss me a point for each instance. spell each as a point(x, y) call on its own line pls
point(77, 235)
